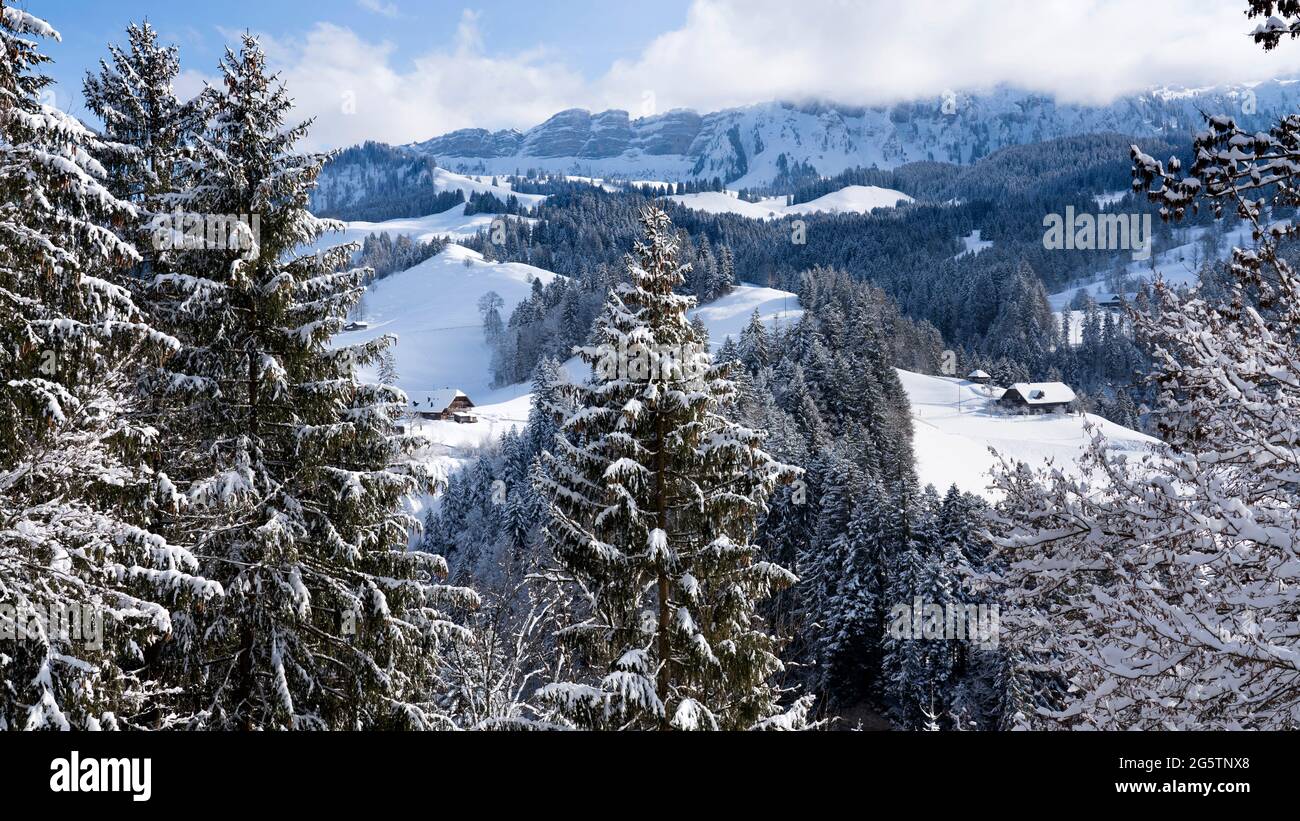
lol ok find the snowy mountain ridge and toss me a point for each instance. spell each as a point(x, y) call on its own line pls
point(749, 145)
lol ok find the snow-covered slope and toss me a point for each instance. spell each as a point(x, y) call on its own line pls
point(974, 243)
point(451, 224)
point(443, 180)
point(371, 174)
point(726, 202)
point(729, 315)
point(954, 424)
point(433, 310)
point(860, 199)
point(1178, 265)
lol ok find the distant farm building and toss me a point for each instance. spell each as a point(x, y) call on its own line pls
point(978, 377)
point(443, 406)
point(1037, 397)
point(1115, 303)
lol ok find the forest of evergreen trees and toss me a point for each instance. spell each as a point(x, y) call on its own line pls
point(694, 540)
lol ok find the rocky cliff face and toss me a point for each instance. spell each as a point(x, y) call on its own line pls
point(743, 145)
point(475, 142)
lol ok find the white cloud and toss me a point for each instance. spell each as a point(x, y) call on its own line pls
point(189, 83)
point(379, 7)
point(356, 92)
point(734, 52)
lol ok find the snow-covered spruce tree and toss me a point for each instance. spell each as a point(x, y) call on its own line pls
point(71, 552)
point(1159, 589)
point(654, 497)
point(147, 148)
point(293, 474)
point(819, 563)
point(852, 640)
point(148, 136)
point(920, 669)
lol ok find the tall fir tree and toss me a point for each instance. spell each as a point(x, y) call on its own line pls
point(85, 589)
point(295, 473)
point(920, 656)
point(148, 138)
point(654, 498)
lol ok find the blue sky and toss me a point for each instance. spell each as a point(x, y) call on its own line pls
point(406, 70)
point(507, 26)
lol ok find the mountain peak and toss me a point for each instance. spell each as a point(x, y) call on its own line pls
point(745, 145)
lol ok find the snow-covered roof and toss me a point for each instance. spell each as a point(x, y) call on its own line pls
point(1044, 393)
point(978, 374)
point(435, 401)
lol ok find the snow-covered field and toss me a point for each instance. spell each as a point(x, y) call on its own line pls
point(974, 242)
point(451, 224)
point(729, 315)
point(433, 309)
point(444, 180)
point(722, 202)
point(860, 199)
point(954, 425)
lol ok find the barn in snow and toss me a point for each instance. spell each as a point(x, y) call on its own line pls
point(1037, 397)
point(445, 405)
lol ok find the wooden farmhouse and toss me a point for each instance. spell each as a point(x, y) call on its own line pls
point(1037, 397)
point(445, 405)
point(1115, 303)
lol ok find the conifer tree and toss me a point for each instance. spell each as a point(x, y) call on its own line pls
point(295, 473)
point(920, 657)
point(549, 405)
point(754, 344)
point(86, 590)
point(853, 634)
point(654, 498)
point(388, 369)
point(148, 138)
